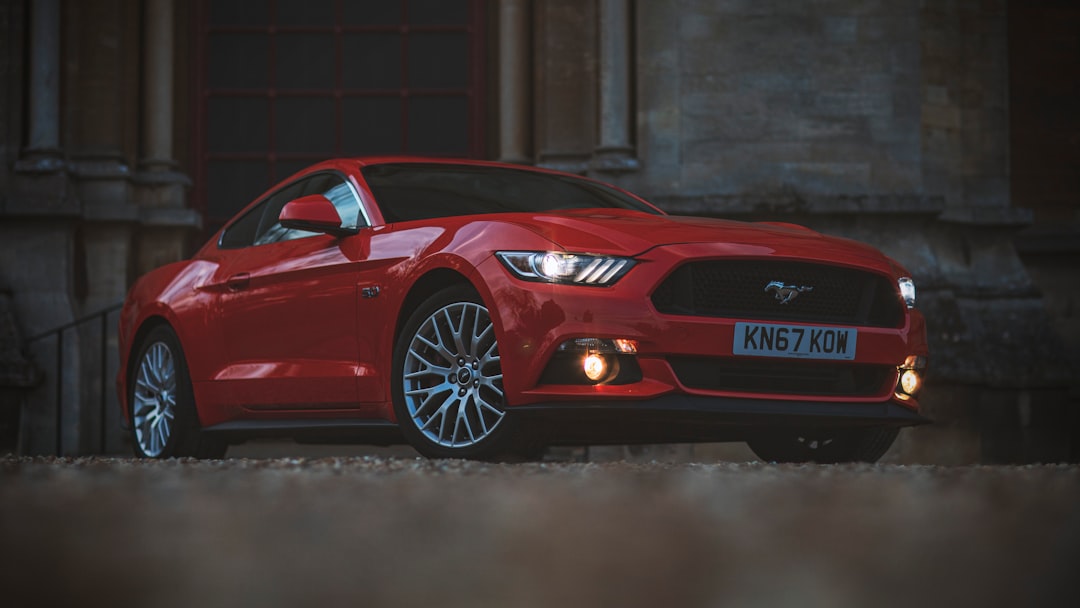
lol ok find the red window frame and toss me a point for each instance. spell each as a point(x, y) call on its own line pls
point(474, 92)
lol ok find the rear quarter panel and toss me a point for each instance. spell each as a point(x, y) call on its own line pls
point(168, 293)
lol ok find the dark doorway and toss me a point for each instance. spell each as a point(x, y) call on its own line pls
point(1044, 111)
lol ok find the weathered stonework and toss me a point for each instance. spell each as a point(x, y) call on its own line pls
point(76, 222)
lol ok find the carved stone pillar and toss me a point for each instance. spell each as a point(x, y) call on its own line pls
point(565, 84)
point(158, 87)
point(614, 151)
point(514, 111)
point(42, 154)
point(97, 99)
point(166, 221)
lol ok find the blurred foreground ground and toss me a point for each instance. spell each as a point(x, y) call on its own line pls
point(391, 530)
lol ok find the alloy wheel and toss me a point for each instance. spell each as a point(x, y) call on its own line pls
point(155, 399)
point(452, 378)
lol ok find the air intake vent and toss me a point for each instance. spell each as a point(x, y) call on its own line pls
point(783, 377)
point(737, 289)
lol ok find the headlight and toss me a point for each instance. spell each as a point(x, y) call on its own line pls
point(907, 289)
point(572, 268)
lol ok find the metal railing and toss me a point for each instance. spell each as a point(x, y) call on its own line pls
point(61, 373)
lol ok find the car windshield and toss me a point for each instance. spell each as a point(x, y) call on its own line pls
point(413, 191)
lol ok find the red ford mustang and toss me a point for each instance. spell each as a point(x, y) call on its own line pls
point(478, 310)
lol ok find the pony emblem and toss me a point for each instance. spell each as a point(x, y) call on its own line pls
point(786, 293)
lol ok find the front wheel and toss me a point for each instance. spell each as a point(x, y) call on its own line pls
point(825, 446)
point(447, 385)
point(164, 422)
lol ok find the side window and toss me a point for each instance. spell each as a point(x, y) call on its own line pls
point(261, 225)
point(242, 232)
point(335, 188)
point(332, 186)
point(252, 228)
point(270, 228)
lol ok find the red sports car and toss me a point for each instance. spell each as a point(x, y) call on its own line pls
point(477, 310)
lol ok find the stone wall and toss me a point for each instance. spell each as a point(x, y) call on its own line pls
point(89, 195)
point(770, 98)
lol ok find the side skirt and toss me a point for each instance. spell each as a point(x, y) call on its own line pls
point(374, 432)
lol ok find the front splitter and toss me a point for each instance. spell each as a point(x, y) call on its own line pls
point(690, 418)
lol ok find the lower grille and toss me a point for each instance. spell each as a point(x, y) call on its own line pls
point(783, 377)
point(738, 289)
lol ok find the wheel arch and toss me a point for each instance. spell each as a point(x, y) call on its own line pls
point(427, 285)
point(149, 324)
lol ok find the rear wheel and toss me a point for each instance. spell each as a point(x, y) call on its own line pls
point(447, 387)
point(164, 421)
point(824, 445)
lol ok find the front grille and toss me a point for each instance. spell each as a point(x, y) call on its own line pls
point(736, 288)
point(813, 378)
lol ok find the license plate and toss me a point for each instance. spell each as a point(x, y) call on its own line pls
point(797, 341)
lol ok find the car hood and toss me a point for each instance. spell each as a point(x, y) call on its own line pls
point(629, 233)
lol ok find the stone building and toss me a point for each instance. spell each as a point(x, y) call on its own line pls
point(945, 133)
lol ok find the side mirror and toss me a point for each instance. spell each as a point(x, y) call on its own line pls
point(314, 213)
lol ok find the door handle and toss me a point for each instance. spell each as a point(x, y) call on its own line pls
point(238, 281)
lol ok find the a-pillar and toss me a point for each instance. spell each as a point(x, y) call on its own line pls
point(166, 220)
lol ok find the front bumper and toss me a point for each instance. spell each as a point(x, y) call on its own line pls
point(534, 319)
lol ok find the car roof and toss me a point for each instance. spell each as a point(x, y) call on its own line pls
point(368, 161)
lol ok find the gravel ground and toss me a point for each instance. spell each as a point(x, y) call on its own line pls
point(376, 530)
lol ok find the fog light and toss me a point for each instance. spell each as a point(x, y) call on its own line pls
point(595, 367)
point(910, 381)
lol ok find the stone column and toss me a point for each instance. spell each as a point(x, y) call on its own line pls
point(158, 87)
point(36, 245)
point(42, 154)
point(614, 151)
point(97, 100)
point(166, 220)
point(564, 94)
point(514, 73)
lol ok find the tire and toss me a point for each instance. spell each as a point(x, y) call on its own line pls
point(825, 446)
point(447, 379)
point(164, 420)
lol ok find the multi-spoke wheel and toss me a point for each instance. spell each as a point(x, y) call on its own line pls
point(154, 403)
point(164, 422)
point(824, 445)
point(448, 391)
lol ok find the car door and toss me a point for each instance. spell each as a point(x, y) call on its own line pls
point(288, 310)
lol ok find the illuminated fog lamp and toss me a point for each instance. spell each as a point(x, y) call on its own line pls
point(910, 381)
point(595, 367)
point(624, 346)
